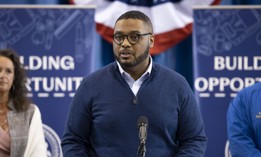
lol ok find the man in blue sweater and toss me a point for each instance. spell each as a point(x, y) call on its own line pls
point(244, 123)
point(102, 121)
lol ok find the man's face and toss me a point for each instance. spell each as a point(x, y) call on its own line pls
point(127, 54)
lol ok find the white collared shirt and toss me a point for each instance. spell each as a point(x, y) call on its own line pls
point(135, 85)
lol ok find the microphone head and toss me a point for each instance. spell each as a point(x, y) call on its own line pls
point(142, 121)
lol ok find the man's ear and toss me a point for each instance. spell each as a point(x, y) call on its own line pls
point(151, 41)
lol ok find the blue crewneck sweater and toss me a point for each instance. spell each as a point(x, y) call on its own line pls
point(103, 118)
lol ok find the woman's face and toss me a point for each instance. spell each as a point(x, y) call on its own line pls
point(6, 74)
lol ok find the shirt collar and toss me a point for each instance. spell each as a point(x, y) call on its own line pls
point(148, 71)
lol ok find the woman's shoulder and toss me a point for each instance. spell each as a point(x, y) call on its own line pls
point(30, 111)
point(33, 108)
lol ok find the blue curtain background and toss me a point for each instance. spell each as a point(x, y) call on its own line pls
point(178, 58)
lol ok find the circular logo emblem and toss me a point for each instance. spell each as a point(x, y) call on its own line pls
point(227, 152)
point(53, 142)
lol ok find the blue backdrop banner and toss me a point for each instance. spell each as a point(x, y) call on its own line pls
point(56, 47)
point(227, 58)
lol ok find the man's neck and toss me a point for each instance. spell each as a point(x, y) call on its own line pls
point(137, 71)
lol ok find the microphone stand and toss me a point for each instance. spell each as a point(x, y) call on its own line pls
point(142, 148)
point(142, 126)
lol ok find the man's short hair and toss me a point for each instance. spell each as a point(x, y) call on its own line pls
point(134, 14)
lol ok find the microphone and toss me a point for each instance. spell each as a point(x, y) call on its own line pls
point(142, 127)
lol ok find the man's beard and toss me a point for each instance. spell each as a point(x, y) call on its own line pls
point(136, 61)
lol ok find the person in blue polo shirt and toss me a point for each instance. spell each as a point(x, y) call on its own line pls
point(244, 123)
